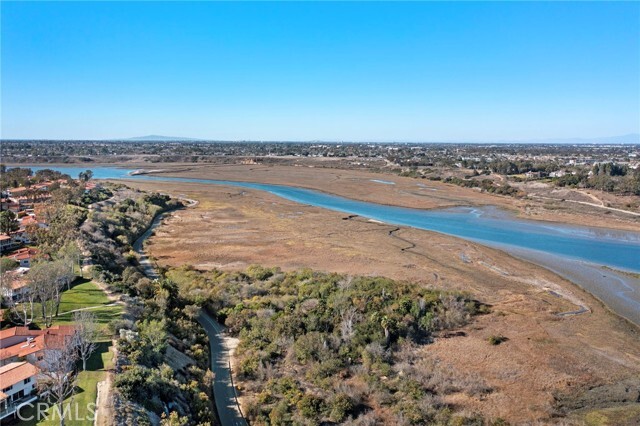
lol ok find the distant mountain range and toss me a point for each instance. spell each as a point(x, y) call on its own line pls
point(631, 138)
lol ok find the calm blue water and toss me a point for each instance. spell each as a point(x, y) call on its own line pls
point(486, 225)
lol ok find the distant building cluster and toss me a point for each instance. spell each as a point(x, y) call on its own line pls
point(23, 203)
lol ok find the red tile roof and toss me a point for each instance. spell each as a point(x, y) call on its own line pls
point(16, 372)
point(66, 330)
point(23, 253)
point(28, 220)
point(15, 331)
point(19, 283)
point(51, 338)
point(14, 279)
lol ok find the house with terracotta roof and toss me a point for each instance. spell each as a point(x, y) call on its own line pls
point(23, 256)
point(7, 203)
point(91, 185)
point(22, 344)
point(16, 192)
point(42, 186)
point(17, 387)
point(27, 220)
point(14, 335)
point(14, 283)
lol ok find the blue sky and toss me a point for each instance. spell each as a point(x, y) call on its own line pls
point(320, 71)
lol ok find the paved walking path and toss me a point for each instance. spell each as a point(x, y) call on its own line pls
point(224, 392)
point(90, 307)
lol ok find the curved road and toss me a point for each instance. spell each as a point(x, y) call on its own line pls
point(223, 390)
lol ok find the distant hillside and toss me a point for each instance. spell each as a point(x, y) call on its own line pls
point(631, 138)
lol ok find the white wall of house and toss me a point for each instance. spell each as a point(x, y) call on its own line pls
point(20, 389)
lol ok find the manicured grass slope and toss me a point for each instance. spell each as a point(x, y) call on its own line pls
point(84, 294)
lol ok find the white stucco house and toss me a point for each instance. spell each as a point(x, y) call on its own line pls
point(17, 387)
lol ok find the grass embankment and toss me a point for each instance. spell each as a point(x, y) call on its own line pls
point(84, 294)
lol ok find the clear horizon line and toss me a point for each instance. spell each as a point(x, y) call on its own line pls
point(160, 138)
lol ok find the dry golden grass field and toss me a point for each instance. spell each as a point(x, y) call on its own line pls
point(548, 365)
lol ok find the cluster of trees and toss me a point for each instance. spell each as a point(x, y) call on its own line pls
point(516, 167)
point(25, 177)
point(486, 185)
point(15, 177)
point(63, 221)
point(470, 181)
point(324, 348)
point(8, 222)
point(110, 230)
point(609, 177)
point(64, 213)
point(158, 315)
point(47, 279)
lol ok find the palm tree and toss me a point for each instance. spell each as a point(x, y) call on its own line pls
point(386, 323)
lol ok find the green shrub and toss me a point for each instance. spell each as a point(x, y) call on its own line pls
point(310, 406)
point(340, 406)
point(496, 339)
point(132, 383)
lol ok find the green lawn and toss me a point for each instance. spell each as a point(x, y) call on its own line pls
point(84, 294)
